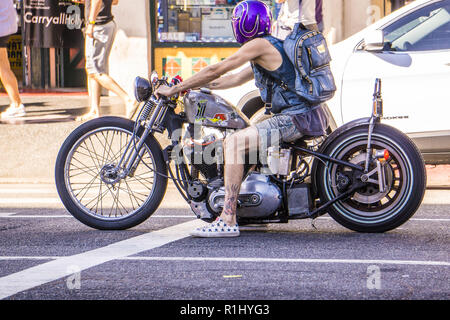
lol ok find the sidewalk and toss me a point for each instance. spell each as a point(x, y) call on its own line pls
point(29, 145)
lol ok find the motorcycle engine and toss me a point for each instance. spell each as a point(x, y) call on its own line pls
point(258, 197)
point(203, 149)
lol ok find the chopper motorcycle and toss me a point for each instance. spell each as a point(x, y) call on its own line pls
point(111, 173)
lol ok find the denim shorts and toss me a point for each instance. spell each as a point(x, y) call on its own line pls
point(279, 127)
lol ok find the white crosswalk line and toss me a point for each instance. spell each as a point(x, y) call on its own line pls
point(56, 269)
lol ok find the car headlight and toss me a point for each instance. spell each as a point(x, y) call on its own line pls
point(142, 89)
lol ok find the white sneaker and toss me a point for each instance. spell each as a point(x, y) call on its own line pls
point(14, 112)
point(217, 229)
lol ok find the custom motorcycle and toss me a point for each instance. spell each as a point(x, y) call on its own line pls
point(112, 173)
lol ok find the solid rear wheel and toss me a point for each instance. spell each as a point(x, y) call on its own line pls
point(370, 209)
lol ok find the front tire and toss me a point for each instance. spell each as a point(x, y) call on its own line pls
point(88, 187)
point(368, 209)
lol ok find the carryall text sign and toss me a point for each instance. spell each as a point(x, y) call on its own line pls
point(52, 23)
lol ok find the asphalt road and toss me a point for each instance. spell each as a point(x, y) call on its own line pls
point(47, 254)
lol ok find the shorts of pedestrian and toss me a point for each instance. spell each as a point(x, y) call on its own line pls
point(4, 41)
point(99, 47)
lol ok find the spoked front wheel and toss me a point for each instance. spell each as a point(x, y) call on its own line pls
point(376, 207)
point(97, 191)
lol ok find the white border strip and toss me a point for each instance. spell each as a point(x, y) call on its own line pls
point(258, 260)
point(17, 215)
point(411, 219)
point(292, 260)
point(59, 268)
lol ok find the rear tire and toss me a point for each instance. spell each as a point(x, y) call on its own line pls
point(369, 210)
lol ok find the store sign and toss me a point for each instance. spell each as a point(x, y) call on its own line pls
point(52, 23)
point(14, 50)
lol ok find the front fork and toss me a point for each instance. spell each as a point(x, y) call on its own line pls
point(151, 117)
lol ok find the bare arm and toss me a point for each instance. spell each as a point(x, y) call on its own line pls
point(232, 80)
point(115, 2)
point(250, 51)
point(95, 9)
point(96, 6)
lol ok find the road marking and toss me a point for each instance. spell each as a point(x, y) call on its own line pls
point(166, 203)
point(429, 219)
point(29, 258)
point(412, 219)
point(291, 260)
point(243, 259)
point(25, 191)
point(15, 215)
point(30, 200)
point(56, 269)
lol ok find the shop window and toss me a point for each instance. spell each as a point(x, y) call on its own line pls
point(195, 20)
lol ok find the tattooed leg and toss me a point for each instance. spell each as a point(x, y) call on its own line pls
point(235, 148)
point(230, 204)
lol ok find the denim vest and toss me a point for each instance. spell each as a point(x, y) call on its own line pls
point(283, 101)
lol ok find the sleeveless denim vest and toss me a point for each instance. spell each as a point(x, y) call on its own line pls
point(283, 101)
point(310, 121)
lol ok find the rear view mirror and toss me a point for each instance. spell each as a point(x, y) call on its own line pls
point(374, 41)
point(154, 78)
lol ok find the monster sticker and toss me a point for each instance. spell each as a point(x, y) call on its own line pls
point(220, 119)
point(201, 108)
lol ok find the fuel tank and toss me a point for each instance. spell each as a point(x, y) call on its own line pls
point(208, 109)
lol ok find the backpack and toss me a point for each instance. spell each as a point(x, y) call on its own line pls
point(308, 52)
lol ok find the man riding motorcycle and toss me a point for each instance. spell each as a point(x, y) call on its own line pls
point(293, 117)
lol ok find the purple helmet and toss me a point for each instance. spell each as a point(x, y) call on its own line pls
point(251, 19)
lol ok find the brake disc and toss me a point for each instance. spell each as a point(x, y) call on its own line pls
point(371, 192)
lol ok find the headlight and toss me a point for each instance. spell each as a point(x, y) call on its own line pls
point(142, 89)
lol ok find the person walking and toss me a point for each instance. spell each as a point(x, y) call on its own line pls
point(8, 26)
point(100, 33)
point(307, 12)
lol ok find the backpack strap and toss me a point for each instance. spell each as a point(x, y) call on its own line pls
point(268, 104)
point(270, 80)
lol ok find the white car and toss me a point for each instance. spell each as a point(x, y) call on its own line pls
point(410, 51)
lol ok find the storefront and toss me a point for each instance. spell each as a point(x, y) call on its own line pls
point(47, 52)
point(387, 6)
point(191, 34)
point(187, 35)
point(181, 37)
